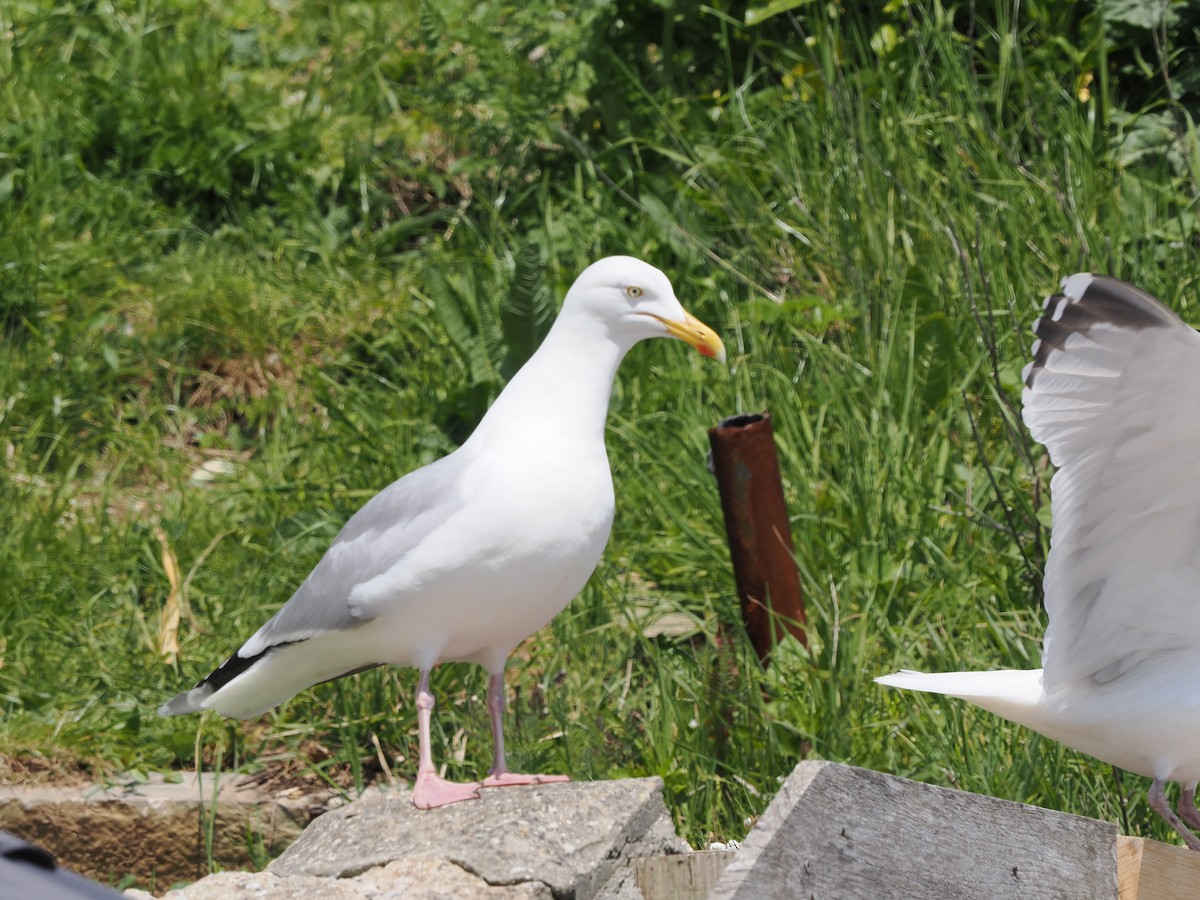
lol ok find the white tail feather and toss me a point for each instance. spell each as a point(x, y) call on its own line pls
point(1015, 694)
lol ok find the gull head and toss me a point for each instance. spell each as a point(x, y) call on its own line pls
point(636, 301)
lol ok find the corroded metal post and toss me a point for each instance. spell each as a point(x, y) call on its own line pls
point(760, 536)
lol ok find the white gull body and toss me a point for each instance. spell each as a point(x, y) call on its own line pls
point(1113, 392)
point(463, 559)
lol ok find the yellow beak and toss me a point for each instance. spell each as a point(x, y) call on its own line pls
point(693, 331)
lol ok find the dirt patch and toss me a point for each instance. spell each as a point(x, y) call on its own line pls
point(29, 769)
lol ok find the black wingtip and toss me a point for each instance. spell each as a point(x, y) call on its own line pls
point(235, 666)
point(193, 700)
point(1087, 300)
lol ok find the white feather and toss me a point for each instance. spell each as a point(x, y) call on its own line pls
point(1114, 394)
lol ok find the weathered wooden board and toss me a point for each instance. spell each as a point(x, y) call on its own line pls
point(686, 876)
point(1151, 870)
point(838, 831)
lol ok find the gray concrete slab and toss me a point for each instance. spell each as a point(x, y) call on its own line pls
point(575, 838)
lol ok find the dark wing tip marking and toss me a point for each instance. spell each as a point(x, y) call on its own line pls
point(1089, 300)
point(235, 666)
point(1121, 304)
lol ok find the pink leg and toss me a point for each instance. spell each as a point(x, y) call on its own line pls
point(1187, 806)
point(1158, 803)
point(499, 776)
point(431, 790)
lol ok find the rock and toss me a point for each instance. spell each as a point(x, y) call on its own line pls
point(575, 838)
point(418, 878)
point(569, 841)
point(838, 831)
point(155, 829)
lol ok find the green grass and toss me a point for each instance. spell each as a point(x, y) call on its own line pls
point(281, 238)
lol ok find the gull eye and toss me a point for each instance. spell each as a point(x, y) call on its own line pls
point(634, 291)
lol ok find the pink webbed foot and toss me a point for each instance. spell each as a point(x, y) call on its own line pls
point(508, 779)
point(499, 776)
point(432, 791)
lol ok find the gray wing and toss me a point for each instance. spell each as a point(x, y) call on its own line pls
point(1114, 393)
point(387, 528)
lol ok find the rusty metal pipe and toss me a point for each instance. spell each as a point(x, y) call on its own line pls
point(746, 465)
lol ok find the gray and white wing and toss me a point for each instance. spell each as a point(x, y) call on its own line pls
point(387, 531)
point(1113, 392)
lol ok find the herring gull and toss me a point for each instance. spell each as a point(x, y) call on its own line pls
point(464, 558)
point(1113, 392)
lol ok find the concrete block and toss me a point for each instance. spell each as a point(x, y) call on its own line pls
point(420, 878)
point(577, 839)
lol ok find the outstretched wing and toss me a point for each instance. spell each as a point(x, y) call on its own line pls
point(1113, 391)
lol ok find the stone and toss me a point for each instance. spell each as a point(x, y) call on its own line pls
point(155, 829)
point(839, 831)
point(417, 878)
point(576, 839)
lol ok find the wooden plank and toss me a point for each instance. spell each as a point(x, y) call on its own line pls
point(837, 831)
point(1152, 870)
point(687, 876)
point(1129, 867)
